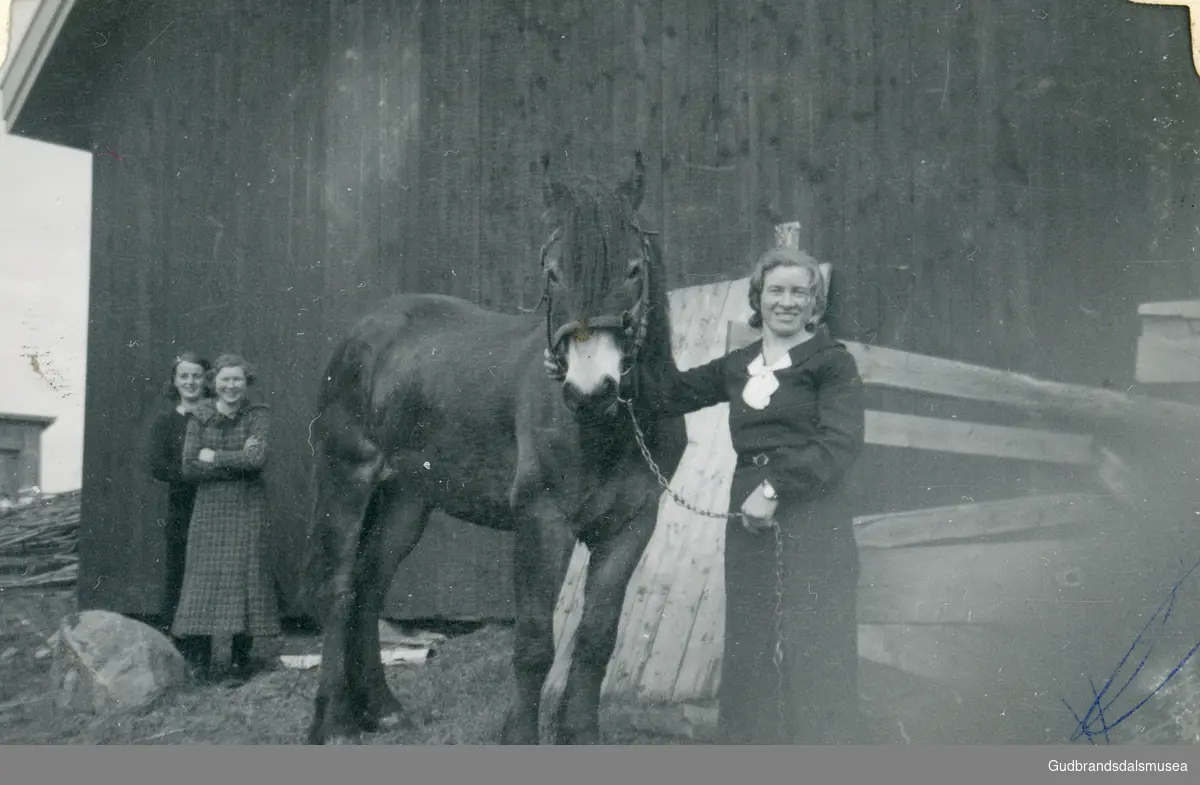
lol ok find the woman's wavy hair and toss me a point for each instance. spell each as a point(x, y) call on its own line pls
point(169, 390)
point(786, 257)
point(231, 360)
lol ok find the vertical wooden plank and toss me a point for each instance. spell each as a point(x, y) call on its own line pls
point(637, 109)
point(672, 55)
point(637, 614)
point(702, 535)
point(399, 130)
point(504, 74)
point(658, 570)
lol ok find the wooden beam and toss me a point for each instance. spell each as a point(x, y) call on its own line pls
point(961, 521)
point(25, 57)
point(1182, 309)
point(1024, 585)
point(901, 370)
point(890, 429)
point(970, 658)
point(1163, 360)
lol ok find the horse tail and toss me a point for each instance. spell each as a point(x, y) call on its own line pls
point(317, 563)
point(337, 433)
point(348, 376)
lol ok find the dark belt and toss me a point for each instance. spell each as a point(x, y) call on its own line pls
point(756, 459)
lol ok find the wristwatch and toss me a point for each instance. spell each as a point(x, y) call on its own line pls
point(769, 491)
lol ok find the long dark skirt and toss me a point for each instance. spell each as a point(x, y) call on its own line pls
point(811, 697)
point(181, 500)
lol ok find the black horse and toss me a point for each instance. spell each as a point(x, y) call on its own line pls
point(435, 403)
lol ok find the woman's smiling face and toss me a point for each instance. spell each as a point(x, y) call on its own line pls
point(189, 381)
point(231, 384)
point(788, 299)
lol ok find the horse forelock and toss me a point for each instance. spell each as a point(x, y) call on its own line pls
point(596, 228)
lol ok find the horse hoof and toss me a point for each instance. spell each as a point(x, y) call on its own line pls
point(341, 739)
point(518, 734)
point(396, 721)
point(333, 733)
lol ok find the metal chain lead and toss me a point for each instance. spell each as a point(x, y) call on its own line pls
point(663, 481)
point(777, 616)
point(778, 620)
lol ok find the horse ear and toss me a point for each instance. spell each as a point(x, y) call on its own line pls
point(635, 187)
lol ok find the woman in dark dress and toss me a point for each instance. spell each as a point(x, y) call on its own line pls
point(186, 389)
point(227, 587)
point(796, 419)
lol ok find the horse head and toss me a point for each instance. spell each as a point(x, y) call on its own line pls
point(603, 284)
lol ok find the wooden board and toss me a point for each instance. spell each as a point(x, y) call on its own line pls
point(1167, 360)
point(1019, 584)
point(901, 370)
point(961, 521)
point(972, 658)
point(1178, 309)
point(650, 662)
point(890, 429)
point(656, 595)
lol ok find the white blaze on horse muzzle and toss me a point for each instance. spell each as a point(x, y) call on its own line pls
point(594, 363)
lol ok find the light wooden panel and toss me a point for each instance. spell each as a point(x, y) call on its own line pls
point(676, 526)
point(687, 599)
point(890, 429)
point(1006, 583)
point(920, 373)
point(1168, 360)
point(669, 647)
point(1172, 309)
point(662, 593)
point(961, 521)
point(959, 656)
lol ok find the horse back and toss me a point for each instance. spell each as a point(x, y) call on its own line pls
point(418, 357)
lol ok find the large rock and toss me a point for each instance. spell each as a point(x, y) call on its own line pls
point(106, 662)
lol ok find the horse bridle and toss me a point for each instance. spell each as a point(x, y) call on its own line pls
point(632, 322)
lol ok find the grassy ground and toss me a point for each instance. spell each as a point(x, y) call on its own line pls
point(459, 695)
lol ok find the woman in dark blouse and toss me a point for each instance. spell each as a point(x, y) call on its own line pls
point(186, 389)
point(796, 419)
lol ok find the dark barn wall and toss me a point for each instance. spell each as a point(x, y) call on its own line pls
point(223, 227)
point(993, 184)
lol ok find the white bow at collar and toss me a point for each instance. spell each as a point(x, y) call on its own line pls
point(762, 382)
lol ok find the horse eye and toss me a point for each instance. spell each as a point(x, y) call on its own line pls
point(635, 267)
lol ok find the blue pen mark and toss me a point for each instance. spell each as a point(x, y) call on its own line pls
point(1095, 723)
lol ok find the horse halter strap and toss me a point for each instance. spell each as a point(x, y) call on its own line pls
point(632, 322)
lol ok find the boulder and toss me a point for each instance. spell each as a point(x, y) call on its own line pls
point(105, 662)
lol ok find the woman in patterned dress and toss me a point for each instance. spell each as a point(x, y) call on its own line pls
point(797, 423)
point(186, 389)
point(227, 588)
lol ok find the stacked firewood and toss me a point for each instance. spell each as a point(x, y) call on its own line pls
point(38, 541)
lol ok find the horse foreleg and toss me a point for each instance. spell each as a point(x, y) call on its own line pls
point(399, 521)
point(610, 567)
point(542, 550)
point(343, 493)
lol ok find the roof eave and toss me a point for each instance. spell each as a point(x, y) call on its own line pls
point(35, 419)
point(26, 61)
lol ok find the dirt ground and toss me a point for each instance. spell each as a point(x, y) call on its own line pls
point(458, 696)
